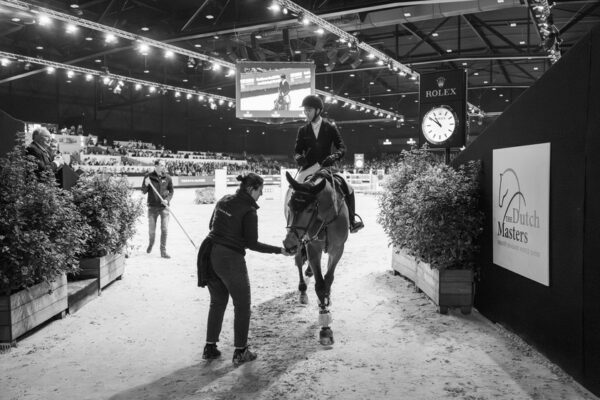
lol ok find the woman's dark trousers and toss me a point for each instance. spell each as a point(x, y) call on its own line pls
point(231, 279)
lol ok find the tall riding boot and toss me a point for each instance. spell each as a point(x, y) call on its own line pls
point(355, 226)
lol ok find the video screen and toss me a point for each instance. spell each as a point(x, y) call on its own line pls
point(273, 90)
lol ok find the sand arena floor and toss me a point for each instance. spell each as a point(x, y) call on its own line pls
point(143, 337)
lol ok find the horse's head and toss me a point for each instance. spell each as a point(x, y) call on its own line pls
point(303, 212)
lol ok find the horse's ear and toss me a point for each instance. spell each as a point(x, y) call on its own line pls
point(318, 187)
point(295, 185)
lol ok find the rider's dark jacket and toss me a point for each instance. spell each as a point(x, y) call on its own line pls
point(316, 150)
point(234, 224)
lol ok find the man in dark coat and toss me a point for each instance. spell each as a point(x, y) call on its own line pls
point(40, 149)
point(314, 144)
point(158, 202)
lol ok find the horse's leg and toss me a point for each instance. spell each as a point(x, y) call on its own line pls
point(334, 257)
point(302, 285)
point(314, 259)
point(307, 272)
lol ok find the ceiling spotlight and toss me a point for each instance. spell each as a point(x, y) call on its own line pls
point(89, 77)
point(274, 7)
point(70, 74)
point(4, 62)
point(169, 54)
point(320, 31)
point(71, 28)
point(74, 4)
point(177, 94)
point(110, 38)
point(44, 20)
point(89, 38)
point(145, 28)
point(143, 48)
point(210, 16)
point(216, 67)
point(138, 86)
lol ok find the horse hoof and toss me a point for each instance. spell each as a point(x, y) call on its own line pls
point(326, 337)
point(303, 298)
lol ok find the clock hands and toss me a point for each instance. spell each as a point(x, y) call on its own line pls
point(436, 121)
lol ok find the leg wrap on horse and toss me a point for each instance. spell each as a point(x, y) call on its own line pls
point(325, 318)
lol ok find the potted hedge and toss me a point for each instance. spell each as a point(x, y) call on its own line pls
point(430, 211)
point(41, 235)
point(107, 203)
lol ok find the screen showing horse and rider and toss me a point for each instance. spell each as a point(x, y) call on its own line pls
point(273, 90)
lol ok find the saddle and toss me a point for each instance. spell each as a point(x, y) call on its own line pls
point(324, 173)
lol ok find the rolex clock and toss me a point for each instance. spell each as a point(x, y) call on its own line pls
point(439, 124)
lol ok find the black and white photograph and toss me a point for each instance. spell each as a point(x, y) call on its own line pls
point(297, 199)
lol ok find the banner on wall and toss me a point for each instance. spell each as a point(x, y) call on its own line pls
point(521, 198)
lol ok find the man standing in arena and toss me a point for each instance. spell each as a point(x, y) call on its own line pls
point(313, 150)
point(159, 196)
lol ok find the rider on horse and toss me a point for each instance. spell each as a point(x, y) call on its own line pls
point(313, 149)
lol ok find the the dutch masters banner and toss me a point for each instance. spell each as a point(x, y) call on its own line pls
point(521, 185)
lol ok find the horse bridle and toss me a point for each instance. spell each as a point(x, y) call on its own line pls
point(307, 238)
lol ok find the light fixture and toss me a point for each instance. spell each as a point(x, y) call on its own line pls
point(110, 38)
point(210, 16)
point(145, 28)
point(44, 20)
point(74, 4)
point(70, 28)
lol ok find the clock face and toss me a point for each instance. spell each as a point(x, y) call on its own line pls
point(438, 124)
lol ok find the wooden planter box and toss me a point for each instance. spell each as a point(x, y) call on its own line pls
point(106, 269)
point(446, 288)
point(22, 311)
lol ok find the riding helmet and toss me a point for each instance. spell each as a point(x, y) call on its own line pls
point(313, 101)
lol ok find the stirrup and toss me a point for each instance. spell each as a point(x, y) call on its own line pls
point(356, 225)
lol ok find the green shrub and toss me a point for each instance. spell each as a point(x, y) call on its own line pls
point(432, 211)
point(41, 231)
point(109, 207)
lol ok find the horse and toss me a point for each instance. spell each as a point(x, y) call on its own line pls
point(317, 221)
point(509, 184)
point(282, 102)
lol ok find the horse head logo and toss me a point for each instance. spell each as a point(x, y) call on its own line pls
point(509, 189)
point(441, 81)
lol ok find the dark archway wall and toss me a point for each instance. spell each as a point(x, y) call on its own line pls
point(160, 119)
point(562, 320)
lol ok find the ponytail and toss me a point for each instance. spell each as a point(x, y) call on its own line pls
point(250, 181)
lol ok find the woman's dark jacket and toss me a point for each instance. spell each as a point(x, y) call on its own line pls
point(234, 224)
point(315, 150)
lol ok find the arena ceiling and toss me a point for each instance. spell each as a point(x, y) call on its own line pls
point(500, 42)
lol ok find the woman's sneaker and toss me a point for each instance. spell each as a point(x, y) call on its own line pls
point(241, 356)
point(211, 352)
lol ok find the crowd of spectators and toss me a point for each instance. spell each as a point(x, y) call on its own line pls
point(134, 155)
